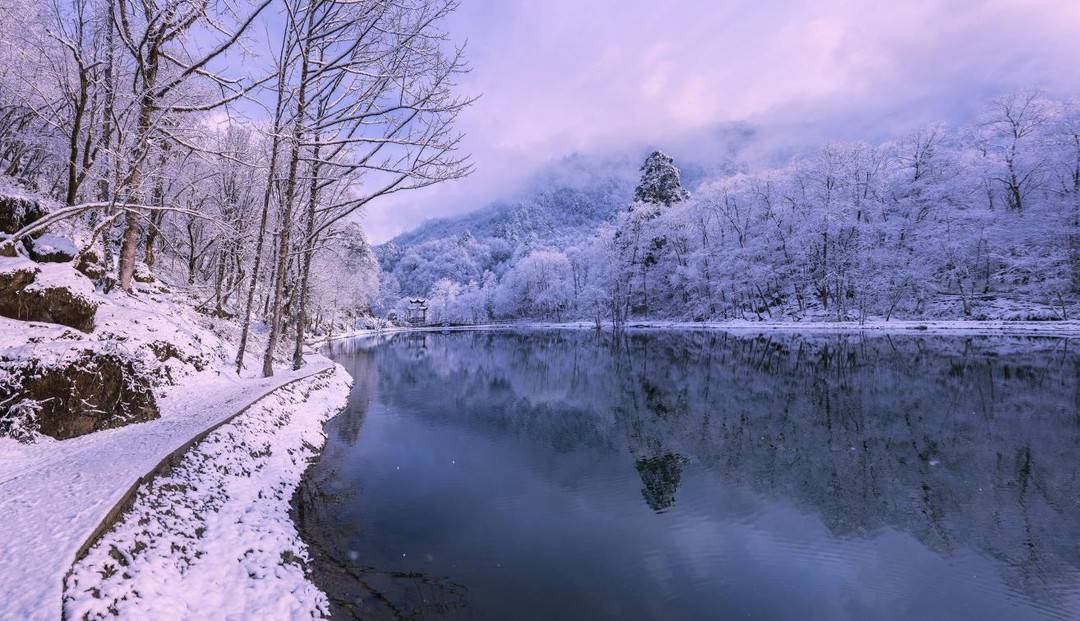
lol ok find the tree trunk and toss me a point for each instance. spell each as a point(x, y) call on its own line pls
point(290, 196)
point(219, 281)
point(305, 260)
point(153, 229)
point(108, 179)
point(1075, 238)
point(130, 241)
point(268, 191)
point(76, 129)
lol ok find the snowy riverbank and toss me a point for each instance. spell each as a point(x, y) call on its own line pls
point(915, 327)
point(57, 493)
point(212, 538)
point(99, 390)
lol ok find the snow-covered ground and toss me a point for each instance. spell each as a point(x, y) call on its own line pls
point(212, 538)
point(55, 494)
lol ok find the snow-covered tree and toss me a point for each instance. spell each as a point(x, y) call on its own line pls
point(974, 221)
point(660, 183)
point(123, 112)
point(540, 285)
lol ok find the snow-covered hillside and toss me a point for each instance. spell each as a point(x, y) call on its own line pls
point(98, 385)
point(561, 205)
point(976, 222)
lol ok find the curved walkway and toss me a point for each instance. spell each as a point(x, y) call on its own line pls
point(57, 497)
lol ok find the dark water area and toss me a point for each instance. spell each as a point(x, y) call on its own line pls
point(700, 475)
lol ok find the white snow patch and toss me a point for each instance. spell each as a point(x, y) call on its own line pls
point(10, 189)
point(50, 244)
point(9, 265)
point(61, 275)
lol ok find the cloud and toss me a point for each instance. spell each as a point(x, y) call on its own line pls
point(561, 76)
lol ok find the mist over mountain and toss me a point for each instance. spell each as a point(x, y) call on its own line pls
point(560, 205)
point(572, 193)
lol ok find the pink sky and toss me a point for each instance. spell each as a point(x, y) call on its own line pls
point(559, 76)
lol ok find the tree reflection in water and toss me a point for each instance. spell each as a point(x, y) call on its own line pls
point(964, 444)
point(660, 479)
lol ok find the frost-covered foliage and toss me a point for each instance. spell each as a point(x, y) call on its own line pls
point(21, 422)
point(975, 222)
point(540, 285)
point(345, 282)
point(564, 204)
point(217, 525)
point(661, 183)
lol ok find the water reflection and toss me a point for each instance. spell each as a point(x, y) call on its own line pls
point(892, 477)
point(660, 479)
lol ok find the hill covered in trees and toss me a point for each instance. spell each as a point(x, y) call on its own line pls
point(562, 204)
point(973, 222)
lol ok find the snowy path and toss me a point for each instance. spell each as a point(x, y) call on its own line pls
point(53, 495)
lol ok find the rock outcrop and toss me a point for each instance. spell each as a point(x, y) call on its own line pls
point(27, 296)
point(143, 274)
point(17, 212)
point(50, 248)
point(91, 392)
point(91, 264)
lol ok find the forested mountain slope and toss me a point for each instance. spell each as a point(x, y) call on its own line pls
point(574, 193)
point(561, 205)
point(980, 221)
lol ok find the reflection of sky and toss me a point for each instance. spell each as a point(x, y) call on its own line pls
point(487, 488)
point(559, 76)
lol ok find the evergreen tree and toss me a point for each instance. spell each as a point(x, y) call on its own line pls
point(660, 183)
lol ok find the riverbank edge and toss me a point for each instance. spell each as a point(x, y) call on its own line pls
point(325, 368)
point(117, 511)
point(1066, 329)
point(169, 461)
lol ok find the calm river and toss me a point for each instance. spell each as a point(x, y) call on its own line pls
point(700, 475)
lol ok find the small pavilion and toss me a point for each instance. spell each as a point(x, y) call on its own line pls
point(416, 313)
